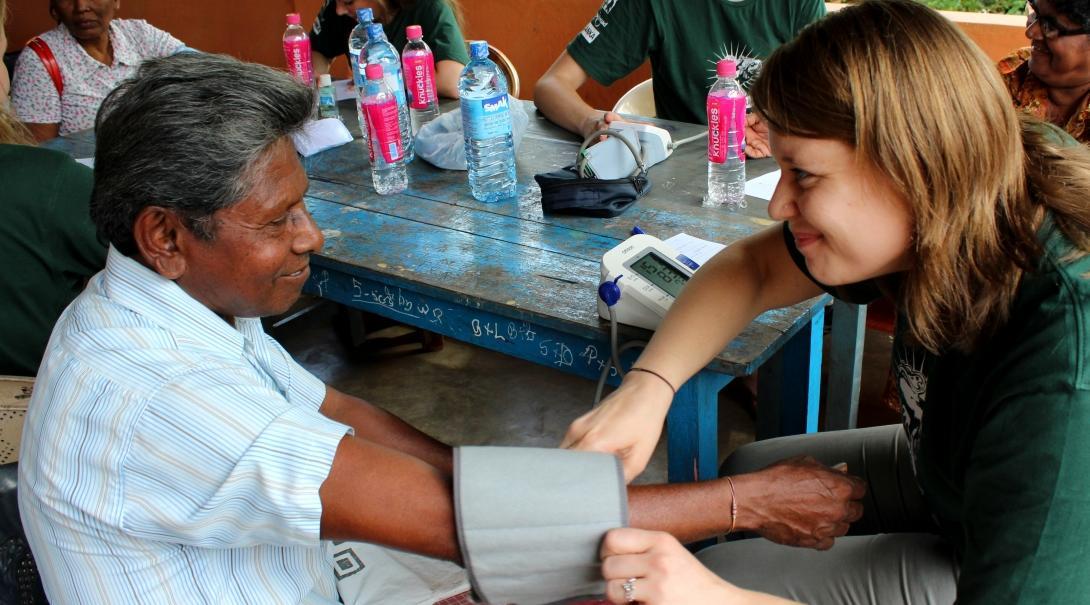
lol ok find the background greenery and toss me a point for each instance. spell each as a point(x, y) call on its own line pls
point(1009, 7)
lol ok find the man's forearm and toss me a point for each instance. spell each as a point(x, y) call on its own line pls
point(564, 107)
point(379, 426)
point(688, 511)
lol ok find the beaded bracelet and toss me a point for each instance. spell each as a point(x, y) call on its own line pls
point(654, 373)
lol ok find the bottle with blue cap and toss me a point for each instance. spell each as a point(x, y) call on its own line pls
point(380, 51)
point(356, 41)
point(486, 124)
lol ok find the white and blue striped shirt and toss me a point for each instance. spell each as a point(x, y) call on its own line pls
point(168, 457)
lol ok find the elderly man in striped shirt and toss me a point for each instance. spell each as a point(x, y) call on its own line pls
point(173, 452)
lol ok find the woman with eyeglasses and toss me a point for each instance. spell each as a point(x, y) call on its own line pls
point(1050, 79)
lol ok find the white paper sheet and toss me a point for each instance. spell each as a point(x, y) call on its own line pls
point(764, 185)
point(319, 135)
point(699, 250)
point(88, 162)
point(343, 89)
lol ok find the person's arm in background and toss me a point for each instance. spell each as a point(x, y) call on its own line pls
point(447, 43)
point(34, 97)
point(328, 38)
point(556, 95)
point(739, 283)
point(615, 41)
point(447, 74)
point(319, 62)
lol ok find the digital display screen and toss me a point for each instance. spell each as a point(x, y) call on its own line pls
point(661, 273)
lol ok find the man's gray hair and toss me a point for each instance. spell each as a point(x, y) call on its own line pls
point(188, 132)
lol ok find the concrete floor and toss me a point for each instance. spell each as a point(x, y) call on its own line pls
point(465, 395)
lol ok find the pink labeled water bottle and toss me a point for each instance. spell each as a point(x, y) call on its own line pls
point(297, 51)
point(384, 144)
point(726, 139)
point(418, 65)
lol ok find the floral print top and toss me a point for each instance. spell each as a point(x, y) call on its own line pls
point(86, 81)
point(1031, 95)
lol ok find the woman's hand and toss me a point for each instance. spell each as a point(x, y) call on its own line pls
point(756, 137)
point(664, 572)
point(628, 422)
point(800, 502)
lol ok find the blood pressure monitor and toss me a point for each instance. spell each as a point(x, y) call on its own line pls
point(650, 275)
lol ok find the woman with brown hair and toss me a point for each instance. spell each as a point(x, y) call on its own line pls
point(975, 222)
point(440, 20)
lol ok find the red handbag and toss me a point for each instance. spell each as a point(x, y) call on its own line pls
point(49, 61)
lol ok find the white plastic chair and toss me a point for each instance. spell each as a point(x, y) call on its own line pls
point(638, 101)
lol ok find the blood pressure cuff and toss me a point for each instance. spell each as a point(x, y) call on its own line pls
point(565, 192)
point(531, 520)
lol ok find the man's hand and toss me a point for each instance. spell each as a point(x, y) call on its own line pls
point(756, 137)
point(801, 502)
point(598, 121)
point(627, 423)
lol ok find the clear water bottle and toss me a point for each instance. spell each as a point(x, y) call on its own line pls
point(297, 50)
point(486, 123)
point(356, 41)
point(327, 98)
point(384, 144)
point(419, 64)
point(726, 139)
point(380, 51)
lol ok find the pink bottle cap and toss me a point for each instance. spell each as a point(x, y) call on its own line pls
point(293, 19)
point(373, 71)
point(413, 32)
point(725, 68)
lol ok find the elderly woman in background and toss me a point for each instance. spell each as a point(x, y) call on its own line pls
point(46, 237)
point(59, 85)
point(1050, 78)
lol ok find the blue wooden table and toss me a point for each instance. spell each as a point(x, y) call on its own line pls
point(505, 277)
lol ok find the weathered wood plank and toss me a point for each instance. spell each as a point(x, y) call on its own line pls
point(505, 276)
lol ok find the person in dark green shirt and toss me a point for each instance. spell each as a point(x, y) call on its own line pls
point(683, 41)
point(440, 21)
point(49, 245)
point(974, 220)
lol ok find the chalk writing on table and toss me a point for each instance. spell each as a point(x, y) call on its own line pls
point(485, 330)
point(395, 300)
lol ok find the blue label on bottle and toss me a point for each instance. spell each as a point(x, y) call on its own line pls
point(486, 118)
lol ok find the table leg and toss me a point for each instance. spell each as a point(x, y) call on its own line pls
point(692, 429)
point(845, 365)
point(789, 384)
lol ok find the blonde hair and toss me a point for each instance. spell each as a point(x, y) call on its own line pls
point(881, 75)
point(12, 130)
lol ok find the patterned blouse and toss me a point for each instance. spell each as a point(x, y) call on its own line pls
point(1031, 94)
point(86, 81)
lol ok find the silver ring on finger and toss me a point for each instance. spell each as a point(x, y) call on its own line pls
point(629, 587)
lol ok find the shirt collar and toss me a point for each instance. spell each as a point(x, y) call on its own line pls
point(161, 301)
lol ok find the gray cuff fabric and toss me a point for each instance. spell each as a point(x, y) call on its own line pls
point(531, 520)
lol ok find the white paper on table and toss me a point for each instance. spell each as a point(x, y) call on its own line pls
point(88, 162)
point(699, 250)
point(343, 89)
point(319, 135)
point(764, 185)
